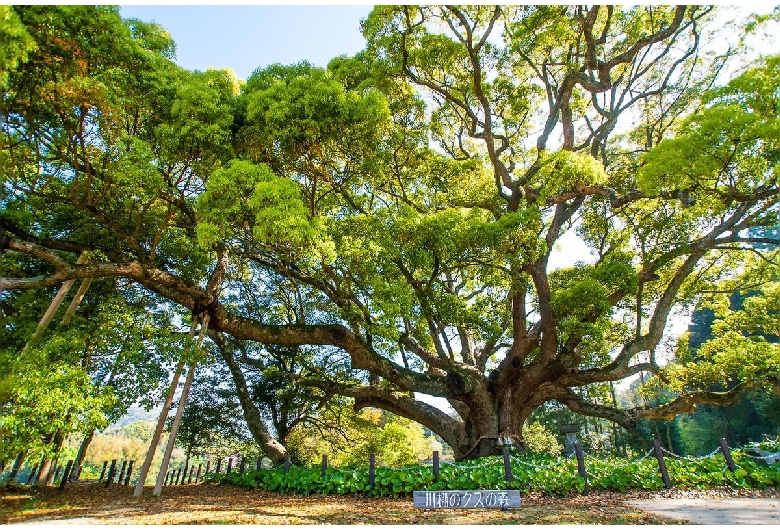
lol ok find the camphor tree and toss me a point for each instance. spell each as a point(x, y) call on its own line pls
point(414, 195)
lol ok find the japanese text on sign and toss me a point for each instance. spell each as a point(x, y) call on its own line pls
point(467, 499)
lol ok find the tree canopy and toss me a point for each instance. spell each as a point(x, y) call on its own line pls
point(394, 217)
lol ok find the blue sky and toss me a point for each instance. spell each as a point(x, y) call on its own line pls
point(245, 37)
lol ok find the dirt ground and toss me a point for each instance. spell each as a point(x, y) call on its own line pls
point(210, 504)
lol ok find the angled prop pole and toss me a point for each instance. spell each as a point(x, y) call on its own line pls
point(139, 487)
point(180, 410)
point(56, 302)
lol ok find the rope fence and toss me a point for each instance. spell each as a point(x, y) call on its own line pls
point(112, 472)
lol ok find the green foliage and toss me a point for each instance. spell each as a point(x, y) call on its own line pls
point(15, 42)
point(348, 438)
point(40, 397)
point(246, 197)
point(553, 476)
point(540, 440)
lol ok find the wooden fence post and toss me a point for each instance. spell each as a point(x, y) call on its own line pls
point(724, 447)
point(129, 472)
point(371, 470)
point(287, 463)
point(324, 465)
point(33, 474)
point(507, 465)
point(581, 465)
point(111, 473)
point(17, 466)
point(66, 475)
point(121, 478)
point(661, 464)
point(103, 472)
point(435, 465)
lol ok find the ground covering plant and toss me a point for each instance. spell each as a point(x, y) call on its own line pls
point(531, 473)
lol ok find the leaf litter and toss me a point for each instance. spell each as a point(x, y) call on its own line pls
point(213, 504)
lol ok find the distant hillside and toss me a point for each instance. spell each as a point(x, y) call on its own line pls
point(137, 414)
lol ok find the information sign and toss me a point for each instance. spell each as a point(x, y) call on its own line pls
point(431, 500)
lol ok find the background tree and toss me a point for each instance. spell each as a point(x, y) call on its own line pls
point(212, 424)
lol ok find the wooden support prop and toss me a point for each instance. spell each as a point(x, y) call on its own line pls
point(287, 463)
point(111, 473)
point(324, 465)
point(129, 472)
point(66, 475)
point(724, 447)
point(581, 465)
point(180, 409)
point(139, 486)
point(661, 464)
point(103, 472)
point(121, 478)
point(41, 467)
point(197, 475)
point(230, 465)
point(435, 465)
point(50, 472)
point(259, 463)
point(242, 466)
point(371, 470)
point(507, 465)
point(48, 316)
